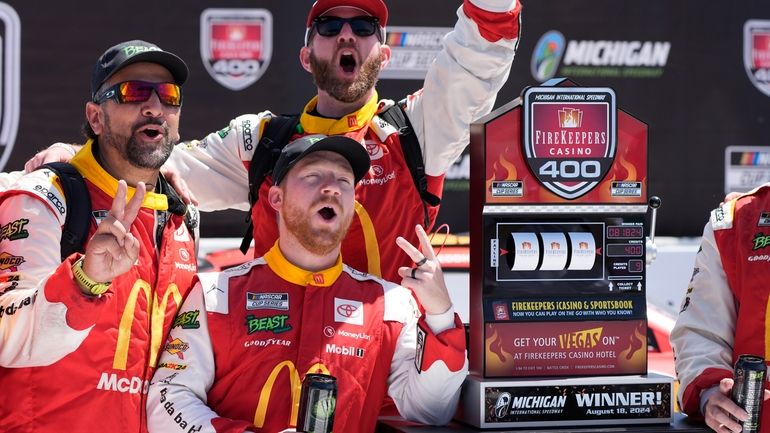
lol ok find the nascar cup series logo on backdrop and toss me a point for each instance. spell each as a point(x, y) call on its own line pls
point(756, 53)
point(10, 45)
point(236, 45)
point(569, 137)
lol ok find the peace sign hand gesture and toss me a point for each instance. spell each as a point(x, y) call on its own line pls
point(113, 249)
point(426, 279)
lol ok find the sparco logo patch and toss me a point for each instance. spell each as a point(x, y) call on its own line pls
point(10, 61)
point(53, 198)
point(756, 53)
point(236, 45)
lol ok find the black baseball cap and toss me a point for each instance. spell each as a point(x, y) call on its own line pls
point(350, 149)
point(126, 53)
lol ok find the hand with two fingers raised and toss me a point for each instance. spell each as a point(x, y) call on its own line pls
point(426, 278)
point(112, 250)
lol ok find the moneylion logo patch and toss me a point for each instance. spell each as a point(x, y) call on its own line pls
point(756, 53)
point(236, 45)
point(10, 61)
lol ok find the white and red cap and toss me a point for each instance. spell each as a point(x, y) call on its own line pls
point(375, 8)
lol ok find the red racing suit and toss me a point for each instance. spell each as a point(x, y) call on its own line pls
point(460, 87)
point(100, 351)
point(246, 337)
point(725, 311)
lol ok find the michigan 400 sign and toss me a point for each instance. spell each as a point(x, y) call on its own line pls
point(569, 137)
point(236, 45)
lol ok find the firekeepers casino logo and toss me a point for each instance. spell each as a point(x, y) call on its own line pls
point(756, 53)
point(569, 137)
point(10, 45)
point(236, 45)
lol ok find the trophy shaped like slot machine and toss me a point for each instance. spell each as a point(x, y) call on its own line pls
point(558, 255)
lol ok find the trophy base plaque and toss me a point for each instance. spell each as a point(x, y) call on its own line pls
point(573, 401)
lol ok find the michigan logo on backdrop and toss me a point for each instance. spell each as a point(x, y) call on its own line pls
point(756, 53)
point(236, 45)
point(569, 137)
point(10, 45)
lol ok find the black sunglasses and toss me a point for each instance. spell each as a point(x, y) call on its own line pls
point(332, 26)
point(141, 91)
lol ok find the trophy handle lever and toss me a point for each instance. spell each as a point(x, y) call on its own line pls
point(652, 250)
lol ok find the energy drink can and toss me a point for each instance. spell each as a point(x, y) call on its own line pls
point(748, 390)
point(317, 402)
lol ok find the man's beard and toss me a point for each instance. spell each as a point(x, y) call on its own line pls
point(342, 90)
point(319, 241)
point(131, 150)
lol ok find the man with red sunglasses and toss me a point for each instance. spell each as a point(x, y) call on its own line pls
point(80, 338)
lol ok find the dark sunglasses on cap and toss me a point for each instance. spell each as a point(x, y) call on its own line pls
point(332, 26)
point(141, 91)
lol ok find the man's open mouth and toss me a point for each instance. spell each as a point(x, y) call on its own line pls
point(327, 213)
point(151, 131)
point(347, 62)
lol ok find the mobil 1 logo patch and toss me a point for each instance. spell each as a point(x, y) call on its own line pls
point(569, 137)
point(236, 45)
point(10, 60)
point(267, 301)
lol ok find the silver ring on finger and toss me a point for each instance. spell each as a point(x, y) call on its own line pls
point(414, 271)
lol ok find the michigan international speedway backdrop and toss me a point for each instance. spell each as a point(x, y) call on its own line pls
point(696, 71)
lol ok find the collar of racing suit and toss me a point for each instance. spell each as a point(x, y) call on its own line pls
point(349, 123)
point(295, 275)
point(85, 163)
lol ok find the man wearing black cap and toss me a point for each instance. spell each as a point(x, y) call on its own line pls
point(97, 321)
point(253, 332)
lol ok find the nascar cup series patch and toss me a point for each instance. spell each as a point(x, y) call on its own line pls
point(10, 46)
point(236, 45)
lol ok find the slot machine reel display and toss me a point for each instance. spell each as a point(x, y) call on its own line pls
point(559, 247)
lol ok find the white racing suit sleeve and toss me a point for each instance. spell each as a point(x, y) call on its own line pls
point(215, 168)
point(704, 332)
point(177, 397)
point(8, 178)
point(461, 86)
point(43, 314)
point(427, 370)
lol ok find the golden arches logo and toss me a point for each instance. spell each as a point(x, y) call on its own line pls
point(157, 316)
point(294, 383)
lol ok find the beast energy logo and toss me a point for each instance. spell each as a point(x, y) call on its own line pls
point(236, 45)
point(10, 45)
point(569, 137)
